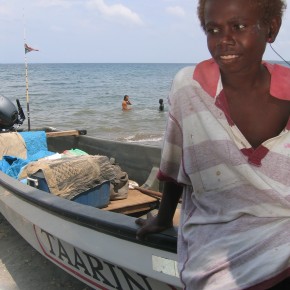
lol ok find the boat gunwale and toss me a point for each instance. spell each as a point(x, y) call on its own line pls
point(110, 223)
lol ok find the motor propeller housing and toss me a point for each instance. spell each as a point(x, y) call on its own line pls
point(11, 117)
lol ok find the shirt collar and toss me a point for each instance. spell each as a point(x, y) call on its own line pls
point(207, 74)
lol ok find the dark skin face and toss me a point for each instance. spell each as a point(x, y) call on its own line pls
point(236, 40)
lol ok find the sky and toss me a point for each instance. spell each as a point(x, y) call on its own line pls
point(110, 31)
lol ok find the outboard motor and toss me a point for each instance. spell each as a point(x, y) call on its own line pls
point(10, 117)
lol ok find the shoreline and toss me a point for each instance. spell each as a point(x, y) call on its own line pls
point(23, 268)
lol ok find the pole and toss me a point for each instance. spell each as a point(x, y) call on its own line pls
point(26, 73)
point(27, 93)
point(26, 50)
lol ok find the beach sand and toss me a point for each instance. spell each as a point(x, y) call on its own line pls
point(23, 268)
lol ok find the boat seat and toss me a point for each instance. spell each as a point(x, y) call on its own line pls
point(134, 203)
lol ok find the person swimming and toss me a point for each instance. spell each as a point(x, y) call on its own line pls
point(161, 105)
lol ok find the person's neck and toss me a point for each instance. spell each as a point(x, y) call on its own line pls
point(246, 79)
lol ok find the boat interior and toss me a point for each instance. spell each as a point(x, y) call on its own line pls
point(140, 162)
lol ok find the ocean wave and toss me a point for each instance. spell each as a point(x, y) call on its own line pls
point(142, 138)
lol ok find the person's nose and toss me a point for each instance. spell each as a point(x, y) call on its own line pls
point(226, 37)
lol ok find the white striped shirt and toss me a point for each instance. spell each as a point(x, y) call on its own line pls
point(235, 224)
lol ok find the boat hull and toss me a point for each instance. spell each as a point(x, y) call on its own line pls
point(97, 259)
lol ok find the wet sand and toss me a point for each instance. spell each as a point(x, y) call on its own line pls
point(23, 268)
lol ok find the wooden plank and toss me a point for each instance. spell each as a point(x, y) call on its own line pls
point(66, 133)
point(135, 202)
point(150, 192)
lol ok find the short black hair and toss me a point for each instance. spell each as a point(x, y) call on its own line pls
point(269, 8)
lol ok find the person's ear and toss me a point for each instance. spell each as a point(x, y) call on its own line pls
point(274, 27)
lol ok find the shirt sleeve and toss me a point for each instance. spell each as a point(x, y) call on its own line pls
point(172, 165)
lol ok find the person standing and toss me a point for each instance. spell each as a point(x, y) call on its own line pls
point(226, 151)
point(125, 103)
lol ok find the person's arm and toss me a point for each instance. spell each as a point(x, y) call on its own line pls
point(171, 195)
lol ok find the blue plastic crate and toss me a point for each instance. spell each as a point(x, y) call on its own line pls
point(98, 196)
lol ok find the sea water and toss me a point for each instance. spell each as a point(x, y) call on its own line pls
point(89, 96)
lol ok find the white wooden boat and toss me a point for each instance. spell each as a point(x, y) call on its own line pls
point(97, 246)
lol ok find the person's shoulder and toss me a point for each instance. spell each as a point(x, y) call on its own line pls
point(183, 77)
point(185, 72)
point(277, 69)
point(280, 80)
point(198, 71)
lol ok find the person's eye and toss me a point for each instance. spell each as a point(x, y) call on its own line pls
point(212, 30)
point(239, 26)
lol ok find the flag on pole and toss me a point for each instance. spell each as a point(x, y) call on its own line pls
point(29, 49)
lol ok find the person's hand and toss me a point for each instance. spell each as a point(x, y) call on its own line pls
point(150, 225)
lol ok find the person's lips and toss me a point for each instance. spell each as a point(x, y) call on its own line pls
point(229, 56)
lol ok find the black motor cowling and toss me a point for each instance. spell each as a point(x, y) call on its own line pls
point(10, 116)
